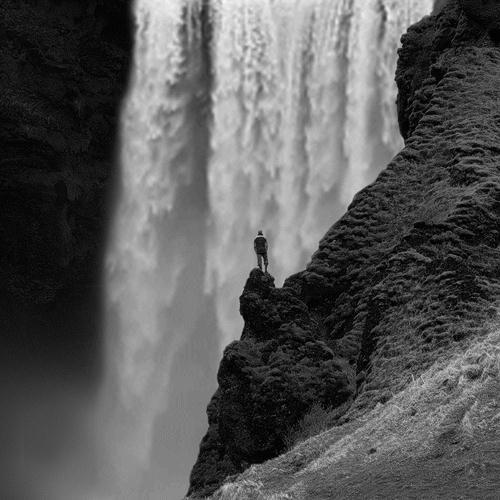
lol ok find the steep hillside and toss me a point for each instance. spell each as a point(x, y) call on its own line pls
point(439, 438)
point(400, 288)
point(64, 66)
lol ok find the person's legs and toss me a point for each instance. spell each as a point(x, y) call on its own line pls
point(259, 261)
point(266, 261)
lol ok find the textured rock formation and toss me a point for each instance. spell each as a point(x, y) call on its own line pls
point(267, 381)
point(485, 12)
point(409, 276)
point(64, 66)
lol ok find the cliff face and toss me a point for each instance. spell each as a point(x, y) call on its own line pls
point(408, 278)
point(267, 381)
point(64, 67)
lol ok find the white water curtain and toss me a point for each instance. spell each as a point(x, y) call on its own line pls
point(301, 116)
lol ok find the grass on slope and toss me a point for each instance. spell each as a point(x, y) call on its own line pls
point(439, 436)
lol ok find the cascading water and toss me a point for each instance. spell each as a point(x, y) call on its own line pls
point(303, 117)
point(241, 115)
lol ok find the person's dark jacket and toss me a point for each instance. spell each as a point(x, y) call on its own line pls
point(260, 245)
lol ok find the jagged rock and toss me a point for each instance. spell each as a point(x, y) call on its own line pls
point(408, 276)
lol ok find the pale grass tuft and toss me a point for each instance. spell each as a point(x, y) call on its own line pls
point(247, 489)
point(467, 425)
point(241, 489)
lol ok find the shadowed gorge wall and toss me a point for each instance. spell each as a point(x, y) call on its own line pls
point(407, 277)
point(63, 69)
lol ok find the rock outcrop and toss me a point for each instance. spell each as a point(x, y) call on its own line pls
point(267, 381)
point(407, 278)
point(64, 69)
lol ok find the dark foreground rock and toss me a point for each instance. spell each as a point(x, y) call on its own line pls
point(409, 276)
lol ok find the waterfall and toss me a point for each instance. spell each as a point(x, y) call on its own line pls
point(156, 247)
point(303, 118)
point(273, 118)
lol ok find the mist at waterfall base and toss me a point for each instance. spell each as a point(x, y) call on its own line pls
point(241, 115)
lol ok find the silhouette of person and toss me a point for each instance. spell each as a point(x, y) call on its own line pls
point(260, 247)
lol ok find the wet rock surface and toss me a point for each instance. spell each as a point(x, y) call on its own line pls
point(407, 277)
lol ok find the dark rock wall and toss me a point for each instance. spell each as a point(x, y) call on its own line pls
point(408, 275)
point(267, 381)
point(63, 70)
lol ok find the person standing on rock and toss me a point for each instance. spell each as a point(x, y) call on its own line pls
point(260, 247)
